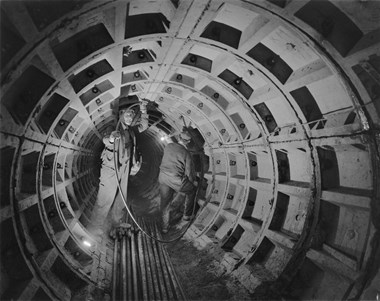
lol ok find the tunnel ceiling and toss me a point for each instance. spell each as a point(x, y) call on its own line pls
point(284, 93)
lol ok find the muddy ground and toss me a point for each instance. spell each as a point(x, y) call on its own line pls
point(201, 276)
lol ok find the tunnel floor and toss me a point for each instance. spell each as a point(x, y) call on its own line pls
point(201, 275)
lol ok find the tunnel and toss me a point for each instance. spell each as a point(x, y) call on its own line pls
point(281, 97)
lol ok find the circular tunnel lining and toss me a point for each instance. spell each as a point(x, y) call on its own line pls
point(282, 128)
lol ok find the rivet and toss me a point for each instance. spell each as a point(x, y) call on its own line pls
point(193, 59)
point(62, 205)
point(188, 112)
point(216, 95)
point(271, 61)
point(217, 161)
point(238, 81)
point(251, 203)
point(214, 227)
point(268, 118)
point(90, 73)
point(133, 87)
point(253, 163)
point(98, 101)
point(242, 125)
point(51, 214)
point(351, 234)
point(200, 105)
point(141, 55)
point(95, 90)
point(62, 122)
point(179, 77)
point(169, 90)
point(223, 131)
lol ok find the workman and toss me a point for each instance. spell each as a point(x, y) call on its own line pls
point(109, 198)
point(177, 173)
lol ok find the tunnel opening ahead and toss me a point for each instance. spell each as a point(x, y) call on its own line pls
point(283, 107)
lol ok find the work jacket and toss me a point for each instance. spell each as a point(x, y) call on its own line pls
point(177, 167)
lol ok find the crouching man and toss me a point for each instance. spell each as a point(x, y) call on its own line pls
point(177, 174)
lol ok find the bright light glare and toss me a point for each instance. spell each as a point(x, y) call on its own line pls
point(87, 243)
point(162, 138)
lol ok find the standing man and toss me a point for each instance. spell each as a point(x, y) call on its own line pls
point(133, 120)
point(177, 173)
point(109, 198)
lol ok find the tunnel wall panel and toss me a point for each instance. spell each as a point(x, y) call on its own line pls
point(36, 229)
point(95, 91)
point(6, 159)
point(267, 116)
point(50, 111)
point(47, 170)
point(271, 61)
point(22, 98)
point(307, 104)
point(64, 122)
point(237, 82)
point(138, 57)
point(64, 273)
point(11, 40)
point(152, 23)
point(198, 61)
point(28, 176)
point(332, 24)
point(43, 13)
point(81, 45)
point(222, 33)
point(90, 74)
point(12, 261)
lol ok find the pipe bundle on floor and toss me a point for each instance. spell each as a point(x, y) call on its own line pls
point(141, 267)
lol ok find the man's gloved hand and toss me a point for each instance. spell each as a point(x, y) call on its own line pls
point(114, 135)
point(143, 104)
point(135, 168)
point(197, 181)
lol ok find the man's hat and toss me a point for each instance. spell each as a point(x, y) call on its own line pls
point(126, 102)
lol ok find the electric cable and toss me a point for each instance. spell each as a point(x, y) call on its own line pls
point(130, 211)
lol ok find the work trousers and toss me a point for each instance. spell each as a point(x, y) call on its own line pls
point(166, 193)
point(109, 200)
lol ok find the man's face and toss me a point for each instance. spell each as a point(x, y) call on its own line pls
point(128, 117)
